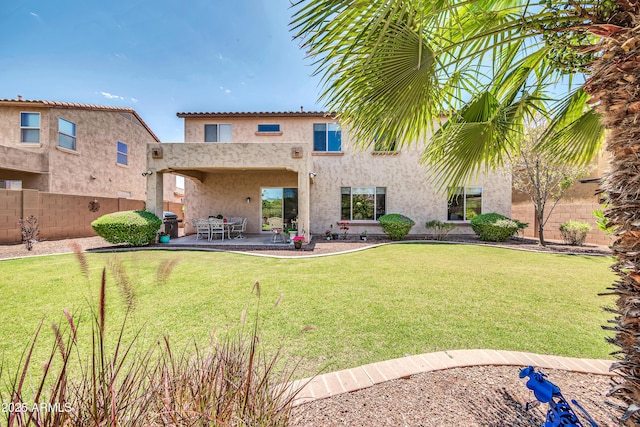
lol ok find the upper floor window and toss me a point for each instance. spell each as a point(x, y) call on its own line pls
point(30, 127)
point(385, 145)
point(217, 133)
point(269, 128)
point(465, 204)
point(362, 203)
point(123, 153)
point(66, 134)
point(327, 137)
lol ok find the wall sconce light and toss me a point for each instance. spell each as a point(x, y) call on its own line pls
point(248, 199)
point(312, 175)
point(147, 173)
point(92, 176)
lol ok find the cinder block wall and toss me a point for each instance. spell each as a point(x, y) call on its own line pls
point(582, 212)
point(10, 213)
point(60, 216)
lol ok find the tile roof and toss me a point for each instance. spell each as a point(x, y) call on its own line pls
point(59, 104)
point(219, 114)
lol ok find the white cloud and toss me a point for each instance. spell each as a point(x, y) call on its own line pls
point(110, 96)
point(134, 99)
point(34, 14)
point(225, 90)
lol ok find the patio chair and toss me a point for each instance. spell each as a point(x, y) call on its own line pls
point(202, 228)
point(216, 226)
point(234, 221)
point(275, 225)
point(239, 228)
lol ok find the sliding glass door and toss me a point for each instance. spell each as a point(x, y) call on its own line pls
point(279, 203)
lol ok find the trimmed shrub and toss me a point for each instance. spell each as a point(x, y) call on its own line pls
point(574, 232)
point(131, 228)
point(396, 226)
point(440, 229)
point(493, 227)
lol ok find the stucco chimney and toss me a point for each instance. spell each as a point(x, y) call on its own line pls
point(301, 109)
point(19, 97)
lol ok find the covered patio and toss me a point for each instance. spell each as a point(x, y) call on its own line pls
point(257, 181)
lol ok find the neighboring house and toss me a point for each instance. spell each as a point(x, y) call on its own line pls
point(304, 165)
point(75, 149)
point(67, 164)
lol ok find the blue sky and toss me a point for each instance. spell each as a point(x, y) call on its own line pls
point(159, 57)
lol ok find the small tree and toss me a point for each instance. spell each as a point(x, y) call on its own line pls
point(30, 229)
point(545, 181)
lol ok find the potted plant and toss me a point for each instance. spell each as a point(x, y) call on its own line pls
point(327, 234)
point(164, 237)
point(298, 241)
point(363, 235)
point(334, 236)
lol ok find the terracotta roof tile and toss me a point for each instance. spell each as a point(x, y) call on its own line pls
point(219, 114)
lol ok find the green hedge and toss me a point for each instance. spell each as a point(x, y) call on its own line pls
point(493, 227)
point(131, 228)
point(396, 226)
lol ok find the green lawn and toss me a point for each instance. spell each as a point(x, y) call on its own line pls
point(366, 306)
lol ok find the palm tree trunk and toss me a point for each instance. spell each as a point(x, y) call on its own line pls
point(615, 85)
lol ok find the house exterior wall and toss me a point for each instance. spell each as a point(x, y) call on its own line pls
point(227, 173)
point(226, 194)
point(47, 167)
point(97, 134)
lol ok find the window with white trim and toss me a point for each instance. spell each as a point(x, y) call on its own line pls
point(122, 156)
point(217, 133)
point(30, 128)
point(66, 134)
point(362, 203)
point(465, 204)
point(327, 137)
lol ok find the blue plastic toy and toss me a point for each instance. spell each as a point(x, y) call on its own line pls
point(560, 413)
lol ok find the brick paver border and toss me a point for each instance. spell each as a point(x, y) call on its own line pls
point(348, 380)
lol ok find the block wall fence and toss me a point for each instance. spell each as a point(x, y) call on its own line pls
point(582, 212)
point(60, 216)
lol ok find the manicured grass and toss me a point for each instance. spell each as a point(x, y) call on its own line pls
point(367, 306)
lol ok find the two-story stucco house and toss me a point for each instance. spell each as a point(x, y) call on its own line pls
point(304, 166)
point(76, 149)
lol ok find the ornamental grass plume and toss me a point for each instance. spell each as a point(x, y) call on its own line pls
point(230, 382)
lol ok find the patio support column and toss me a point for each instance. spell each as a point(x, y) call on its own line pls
point(154, 193)
point(304, 197)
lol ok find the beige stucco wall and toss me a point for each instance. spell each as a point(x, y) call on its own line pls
point(409, 189)
point(97, 133)
point(219, 177)
point(222, 185)
point(49, 168)
point(226, 194)
point(292, 129)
